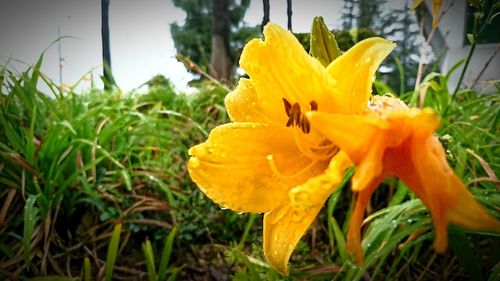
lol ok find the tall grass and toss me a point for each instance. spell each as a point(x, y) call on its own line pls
point(75, 165)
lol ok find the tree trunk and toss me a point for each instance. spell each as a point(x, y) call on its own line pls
point(265, 19)
point(221, 66)
point(289, 13)
point(106, 53)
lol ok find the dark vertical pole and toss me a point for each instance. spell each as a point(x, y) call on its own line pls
point(289, 13)
point(106, 53)
point(265, 20)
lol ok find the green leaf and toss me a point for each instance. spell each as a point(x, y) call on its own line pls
point(112, 251)
point(324, 47)
point(30, 219)
point(470, 38)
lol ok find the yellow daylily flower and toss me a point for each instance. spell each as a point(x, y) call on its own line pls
point(269, 159)
point(390, 139)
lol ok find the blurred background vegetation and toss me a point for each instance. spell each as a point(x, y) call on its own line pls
point(94, 185)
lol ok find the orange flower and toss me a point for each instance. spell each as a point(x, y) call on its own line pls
point(390, 139)
point(269, 160)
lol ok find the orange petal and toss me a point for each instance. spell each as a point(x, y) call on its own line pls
point(353, 73)
point(355, 221)
point(352, 133)
point(283, 229)
point(446, 197)
point(233, 167)
point(371, 167)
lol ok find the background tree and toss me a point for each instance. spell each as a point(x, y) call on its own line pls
point(348, 14)
point(220, 62)
point(398, 24)
point(194, 38)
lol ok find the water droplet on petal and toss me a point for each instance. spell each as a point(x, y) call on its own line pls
point(194, 162)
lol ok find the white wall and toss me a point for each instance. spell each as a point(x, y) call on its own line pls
point(452, 27)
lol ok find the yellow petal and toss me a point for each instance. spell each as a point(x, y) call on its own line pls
point(244, 105)
point(249, 167)
point(317, 189)
point(283, 229)
point(279, 67)
point(436, 10)
point(415, 4)
point(354, 71)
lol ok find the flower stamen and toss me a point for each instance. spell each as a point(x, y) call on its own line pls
point(296, 117)
point(320, 152)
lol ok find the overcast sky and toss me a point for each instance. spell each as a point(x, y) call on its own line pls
point(141, 45)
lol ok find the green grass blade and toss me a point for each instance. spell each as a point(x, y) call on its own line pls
point(30, 144)
point(51, 278)
point(165, 255)
point(150, 260)
point(112, 251)
point(339, 238)
point(248, 226)
point(399, 195)
point(87, 269)
point(36, 71)
point(30, 219)
point(173, 276)
point(128, 181)
point(401, 70)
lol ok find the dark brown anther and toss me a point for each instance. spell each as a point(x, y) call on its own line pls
point(296, 113)
point(314, 106)
point(295, 116)
point(288, 106)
